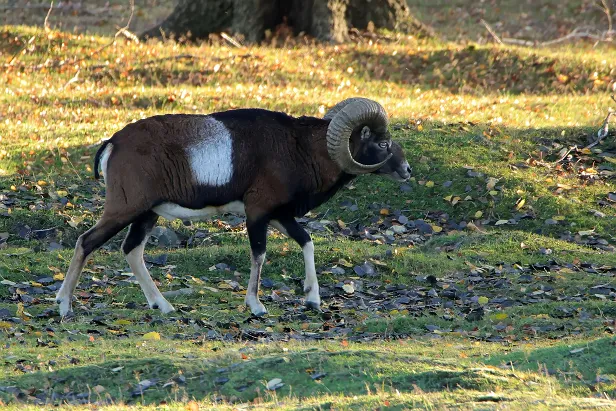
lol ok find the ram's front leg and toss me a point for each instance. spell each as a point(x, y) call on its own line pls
point(291, 228)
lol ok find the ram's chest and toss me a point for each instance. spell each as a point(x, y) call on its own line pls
point(171, 211)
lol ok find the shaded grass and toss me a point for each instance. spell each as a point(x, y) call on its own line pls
point(407, 367)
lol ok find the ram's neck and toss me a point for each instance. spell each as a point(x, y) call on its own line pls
point(310, 201)
point(324, 177)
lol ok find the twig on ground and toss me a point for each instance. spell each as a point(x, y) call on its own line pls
point(230, 39)
point(20, 50)
point(46, 22)
point(491, 31)
point(128, 34)
point(577, 33)
point(74, 79)
point(605, 128)
point(178, 57)
point(519, 42)
point(112, 42)
point(605, 7)
point(566, 154)
point(62, 63)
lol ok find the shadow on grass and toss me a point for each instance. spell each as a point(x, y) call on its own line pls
point(345, 372)
point(480, 71)
point(592, 363)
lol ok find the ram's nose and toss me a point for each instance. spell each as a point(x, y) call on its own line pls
point(405, 171)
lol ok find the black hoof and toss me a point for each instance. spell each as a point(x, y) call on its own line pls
point(155, 307)
point(58, 301)
point(313, 306)
point(69, 316)
point(259, 314)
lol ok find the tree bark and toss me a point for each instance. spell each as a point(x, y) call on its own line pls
point(326, 20)
point(195, 19)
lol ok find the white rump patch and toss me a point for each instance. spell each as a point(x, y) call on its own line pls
point(104, 158)
point(210, 158)
point(171, 211)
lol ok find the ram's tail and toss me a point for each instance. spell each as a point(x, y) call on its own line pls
point(97, 159)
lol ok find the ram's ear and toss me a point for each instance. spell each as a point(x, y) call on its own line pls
point(365, 133)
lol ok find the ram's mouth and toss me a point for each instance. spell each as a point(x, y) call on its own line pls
point(399, 178)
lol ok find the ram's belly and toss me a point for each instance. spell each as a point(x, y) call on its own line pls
point(171, 211)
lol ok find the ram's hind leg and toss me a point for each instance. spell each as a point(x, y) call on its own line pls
point(88, 242)
point(257, 234)
point(133, 247)
point(291, 228)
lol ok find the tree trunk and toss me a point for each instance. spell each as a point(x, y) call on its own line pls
point(195, 18)
point(326, 20)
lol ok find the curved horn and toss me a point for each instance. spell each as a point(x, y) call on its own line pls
point(345, 117)
point(331, 113)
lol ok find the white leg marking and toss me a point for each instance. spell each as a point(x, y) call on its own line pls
point(211, 158)
point(64, 297)
point(252, 293)
point(152, 293)
point(311, 284)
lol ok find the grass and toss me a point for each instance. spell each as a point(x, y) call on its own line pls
point(465, 113)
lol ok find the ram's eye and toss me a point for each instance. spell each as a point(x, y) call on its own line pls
point(384, 144)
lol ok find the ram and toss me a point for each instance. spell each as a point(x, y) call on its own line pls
point(267, 165)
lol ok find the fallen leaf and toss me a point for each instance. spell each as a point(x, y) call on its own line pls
point(471, 226)
point(345, 263)
point(192, 406)
point(348, 288)
point(491, 183)
point(151, 336)
point(274, 384)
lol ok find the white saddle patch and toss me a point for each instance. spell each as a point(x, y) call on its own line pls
point(171, 211)
point(211, 158)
